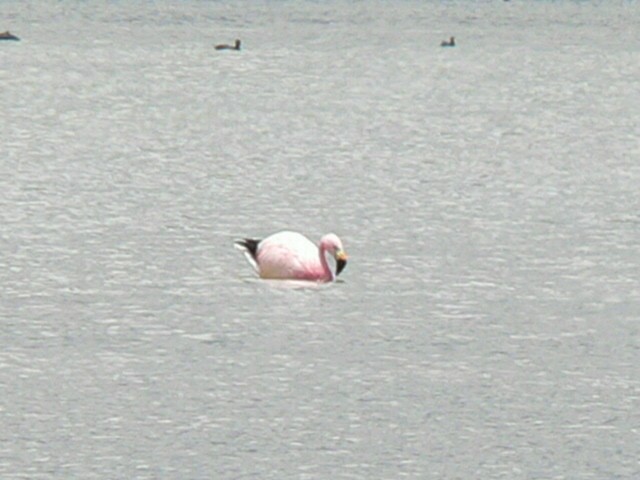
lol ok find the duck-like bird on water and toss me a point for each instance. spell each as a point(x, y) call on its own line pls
point(224, 46)
point(8, 36)
point(292, 256)
point(450, 43)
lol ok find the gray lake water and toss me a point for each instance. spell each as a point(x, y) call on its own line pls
point(487, 325)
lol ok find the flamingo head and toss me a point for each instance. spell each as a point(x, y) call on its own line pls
point(332, 244)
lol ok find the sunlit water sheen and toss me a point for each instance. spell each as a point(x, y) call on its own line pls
point(487, 324)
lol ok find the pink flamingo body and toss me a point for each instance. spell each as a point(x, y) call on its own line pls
point(290, 255)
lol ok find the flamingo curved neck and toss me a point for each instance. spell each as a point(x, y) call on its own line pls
point(323, 261)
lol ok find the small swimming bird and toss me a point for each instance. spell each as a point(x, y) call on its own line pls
point(291, 255)
point(229, 47)
point(450, 43)
point(8, 36)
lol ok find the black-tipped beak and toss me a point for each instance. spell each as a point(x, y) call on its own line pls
point(341, 262)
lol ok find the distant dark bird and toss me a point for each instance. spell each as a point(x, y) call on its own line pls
point(229, 47)
point(450, 43)
point(8, 36)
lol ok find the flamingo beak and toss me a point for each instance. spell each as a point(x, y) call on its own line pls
point(341, 261)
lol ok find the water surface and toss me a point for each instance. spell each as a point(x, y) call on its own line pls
point(487, 323)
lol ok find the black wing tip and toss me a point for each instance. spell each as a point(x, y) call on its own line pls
point(250, 244)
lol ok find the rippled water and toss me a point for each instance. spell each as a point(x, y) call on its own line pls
point(487, 323)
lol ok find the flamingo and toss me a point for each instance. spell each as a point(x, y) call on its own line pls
point(291, 255)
